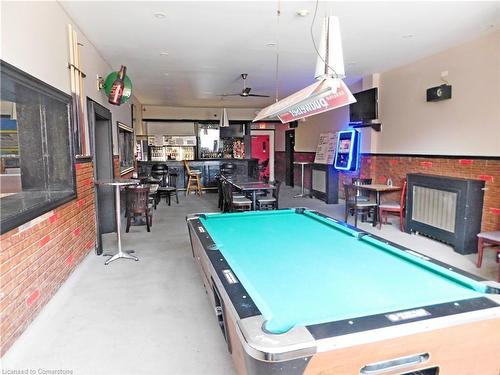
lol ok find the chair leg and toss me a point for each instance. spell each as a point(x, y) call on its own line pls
point(198, 185)
point(355, 218)
point(480, 249)
point(380, 213)
point(147, 222)
point(128, 224)
point(188, 185)
point(176, 196)
point(401, 221)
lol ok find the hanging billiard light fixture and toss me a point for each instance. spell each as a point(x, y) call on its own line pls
point(223, 121)
point(329, 92)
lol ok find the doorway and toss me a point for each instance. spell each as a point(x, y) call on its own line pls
point(102, 144)
point(289, 151)
point(263, 150)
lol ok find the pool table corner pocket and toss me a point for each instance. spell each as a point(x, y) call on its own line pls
point(265, 346)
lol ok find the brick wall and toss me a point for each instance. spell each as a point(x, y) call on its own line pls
point(379, 168)
point(37, 257)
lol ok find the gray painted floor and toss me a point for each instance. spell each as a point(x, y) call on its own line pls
point(153, 316)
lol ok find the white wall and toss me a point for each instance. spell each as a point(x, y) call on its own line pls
point(34, 38)
point(307, 133)
point(467, 124)
point(196, 113)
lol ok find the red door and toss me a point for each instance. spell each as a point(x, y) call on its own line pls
point(260, 151)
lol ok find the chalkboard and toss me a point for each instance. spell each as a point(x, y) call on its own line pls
point(325, 151)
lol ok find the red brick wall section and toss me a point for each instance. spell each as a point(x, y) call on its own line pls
point(37, 257)
point(382, 167)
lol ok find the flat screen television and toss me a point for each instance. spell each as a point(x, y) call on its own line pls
point(366, 107)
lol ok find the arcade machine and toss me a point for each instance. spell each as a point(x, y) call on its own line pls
point(347, 153)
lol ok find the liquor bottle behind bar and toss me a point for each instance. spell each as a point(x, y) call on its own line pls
point(116, 92)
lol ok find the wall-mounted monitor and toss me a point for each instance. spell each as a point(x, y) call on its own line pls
point(365, 109)
point(347, 151)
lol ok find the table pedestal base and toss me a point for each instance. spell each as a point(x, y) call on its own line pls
point(120, 255)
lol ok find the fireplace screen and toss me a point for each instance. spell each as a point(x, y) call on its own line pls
point(434, 207)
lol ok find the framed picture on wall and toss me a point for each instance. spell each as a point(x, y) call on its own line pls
point(126, 148)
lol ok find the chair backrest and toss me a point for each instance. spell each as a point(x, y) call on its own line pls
point(351, 193)
point(172, 179)
point(137, 198)
point(402, 202)
point(159, 169)
point(227, 169)
point(186, 165)
point(362, 181)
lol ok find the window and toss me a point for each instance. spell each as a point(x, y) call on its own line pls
point(126, 145)
point(36, 169)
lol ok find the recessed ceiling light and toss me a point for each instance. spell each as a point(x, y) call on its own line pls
point(407, 36)
point(160, 15)
point(165, 74)
point(271, 44)
point(163, 53)
point(303, 13)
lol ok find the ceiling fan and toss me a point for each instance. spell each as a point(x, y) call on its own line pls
point(246, 90)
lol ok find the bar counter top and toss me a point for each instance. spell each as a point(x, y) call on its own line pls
point(210, 169)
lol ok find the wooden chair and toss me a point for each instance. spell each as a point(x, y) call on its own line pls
point(488, 239)
point(194, 178)
point(232, 203)
point(170, 188)
point(272, 201)
point(363, 195)
point(394, 208)
point(138, 205)
point(352, 204)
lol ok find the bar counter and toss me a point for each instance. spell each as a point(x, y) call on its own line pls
point(210, 169)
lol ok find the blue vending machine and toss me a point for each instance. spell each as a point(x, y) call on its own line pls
point(347, 152)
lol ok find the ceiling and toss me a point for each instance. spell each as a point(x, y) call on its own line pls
point(210, 43)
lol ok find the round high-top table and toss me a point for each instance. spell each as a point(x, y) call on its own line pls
point(117, 183)
point(302, 165)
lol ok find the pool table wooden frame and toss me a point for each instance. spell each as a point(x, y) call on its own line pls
point(455, 339)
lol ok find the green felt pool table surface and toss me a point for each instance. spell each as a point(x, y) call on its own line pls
point(304, 269)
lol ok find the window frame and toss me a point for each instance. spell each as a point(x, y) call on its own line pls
point(25, 79)
point(125, 128)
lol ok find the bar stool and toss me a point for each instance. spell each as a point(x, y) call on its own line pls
point(194, 179)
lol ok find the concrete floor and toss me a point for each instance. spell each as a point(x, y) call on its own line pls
point(153, 316)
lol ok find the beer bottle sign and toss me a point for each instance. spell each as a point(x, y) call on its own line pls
point(118, 87)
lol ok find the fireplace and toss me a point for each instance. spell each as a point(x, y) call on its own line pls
point(448, 209)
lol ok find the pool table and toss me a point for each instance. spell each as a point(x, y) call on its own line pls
point(296, 291)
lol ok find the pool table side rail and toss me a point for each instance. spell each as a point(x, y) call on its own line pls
point(491, 287)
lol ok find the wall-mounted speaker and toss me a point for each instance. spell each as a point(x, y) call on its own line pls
point(435, 94)
point(293, 124)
